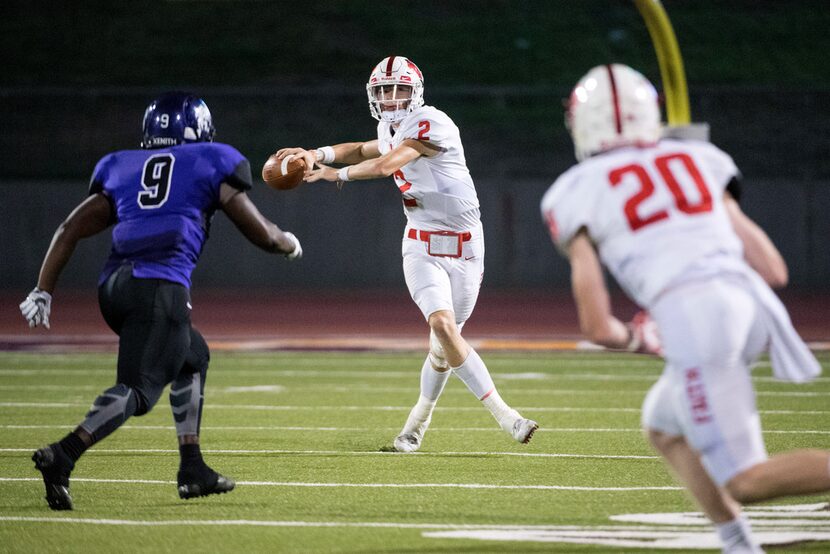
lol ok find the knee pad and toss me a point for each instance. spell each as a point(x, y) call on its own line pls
point(437, 356)
point(659, 407)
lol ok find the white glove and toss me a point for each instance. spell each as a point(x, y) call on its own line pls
point(645, 338)
point(297, 251)
point(36, 308)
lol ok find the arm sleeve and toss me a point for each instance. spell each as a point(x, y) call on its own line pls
point(734, 188)
point(235, 169)
point(241, 178)
point(99, 176)
point(721, 167)
point(96, 185)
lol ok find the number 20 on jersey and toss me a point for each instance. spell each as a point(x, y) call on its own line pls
point(666, 165)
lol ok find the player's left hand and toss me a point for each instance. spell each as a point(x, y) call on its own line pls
point(324, 173)
point(36, 308)
point(645, 337)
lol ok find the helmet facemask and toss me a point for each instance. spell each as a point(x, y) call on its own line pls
point(390, 102)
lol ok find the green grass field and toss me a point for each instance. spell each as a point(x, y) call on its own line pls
point(304, 434)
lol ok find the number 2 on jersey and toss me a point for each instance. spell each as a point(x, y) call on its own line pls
point(155, 181)
point(399, 178)
point(636, 220)
point(424, 129)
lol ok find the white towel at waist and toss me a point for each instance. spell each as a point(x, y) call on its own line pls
point(791, 359)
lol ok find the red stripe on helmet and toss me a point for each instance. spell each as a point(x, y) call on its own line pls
point(616, 98)
point(389, 66)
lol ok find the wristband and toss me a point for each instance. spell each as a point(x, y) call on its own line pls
point(343, 174)
point(326, 154)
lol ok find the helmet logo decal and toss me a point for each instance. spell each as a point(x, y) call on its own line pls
point(414, 68)
point(616, 99)
point(203, 119)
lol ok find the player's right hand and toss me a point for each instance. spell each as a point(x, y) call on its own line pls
point(309, 156)
point(645, 337)
point(36, 308)
point(297, 252)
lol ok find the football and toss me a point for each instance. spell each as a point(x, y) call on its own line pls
point(283, 174)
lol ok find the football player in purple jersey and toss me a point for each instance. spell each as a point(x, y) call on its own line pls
point(160, 199)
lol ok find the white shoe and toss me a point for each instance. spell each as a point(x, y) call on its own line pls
point(523, 430)
point(411, 436)
point(742, 546)
point(407, 442)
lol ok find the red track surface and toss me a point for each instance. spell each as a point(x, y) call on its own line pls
point(264, 314)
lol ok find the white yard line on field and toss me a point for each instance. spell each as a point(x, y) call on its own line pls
point(514, 391)
point(286, 408)
point(623, 375)
point(394, 429)
point(357, 453)
point(270, 523)
point(283, 408)
point(481, 486)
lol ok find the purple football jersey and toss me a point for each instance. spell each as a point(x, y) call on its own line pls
point(163, 200)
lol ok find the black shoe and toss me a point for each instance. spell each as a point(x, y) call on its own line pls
point(195, 482)
point(55, 466)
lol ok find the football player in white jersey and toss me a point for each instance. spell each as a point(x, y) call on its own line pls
point(663, 217)
point(443, 245)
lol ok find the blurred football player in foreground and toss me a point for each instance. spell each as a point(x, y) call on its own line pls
point(663, 217)
point(161, 200)
point(443, 244)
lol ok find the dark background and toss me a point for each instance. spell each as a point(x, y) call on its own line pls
point(77, 76)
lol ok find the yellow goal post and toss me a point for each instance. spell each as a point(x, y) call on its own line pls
point(672, 73)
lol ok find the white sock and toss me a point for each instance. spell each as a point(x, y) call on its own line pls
point(432, 382)
point(737, 532)
point(504, 414)
point(475, 375)
point(419, 416)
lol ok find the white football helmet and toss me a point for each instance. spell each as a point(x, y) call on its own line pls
point(611, 106)
point(386, 92)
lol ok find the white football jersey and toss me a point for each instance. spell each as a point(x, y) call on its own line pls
point(656, 214)
point(438, 192)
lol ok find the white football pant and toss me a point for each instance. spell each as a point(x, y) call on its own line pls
point(712, 331)
point(440, 283)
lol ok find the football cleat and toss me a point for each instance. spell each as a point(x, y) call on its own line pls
point(412, 433)
point(741, 545)
point(408, 442)
point(55, 467)
point(202, 482)
point(523, 430)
